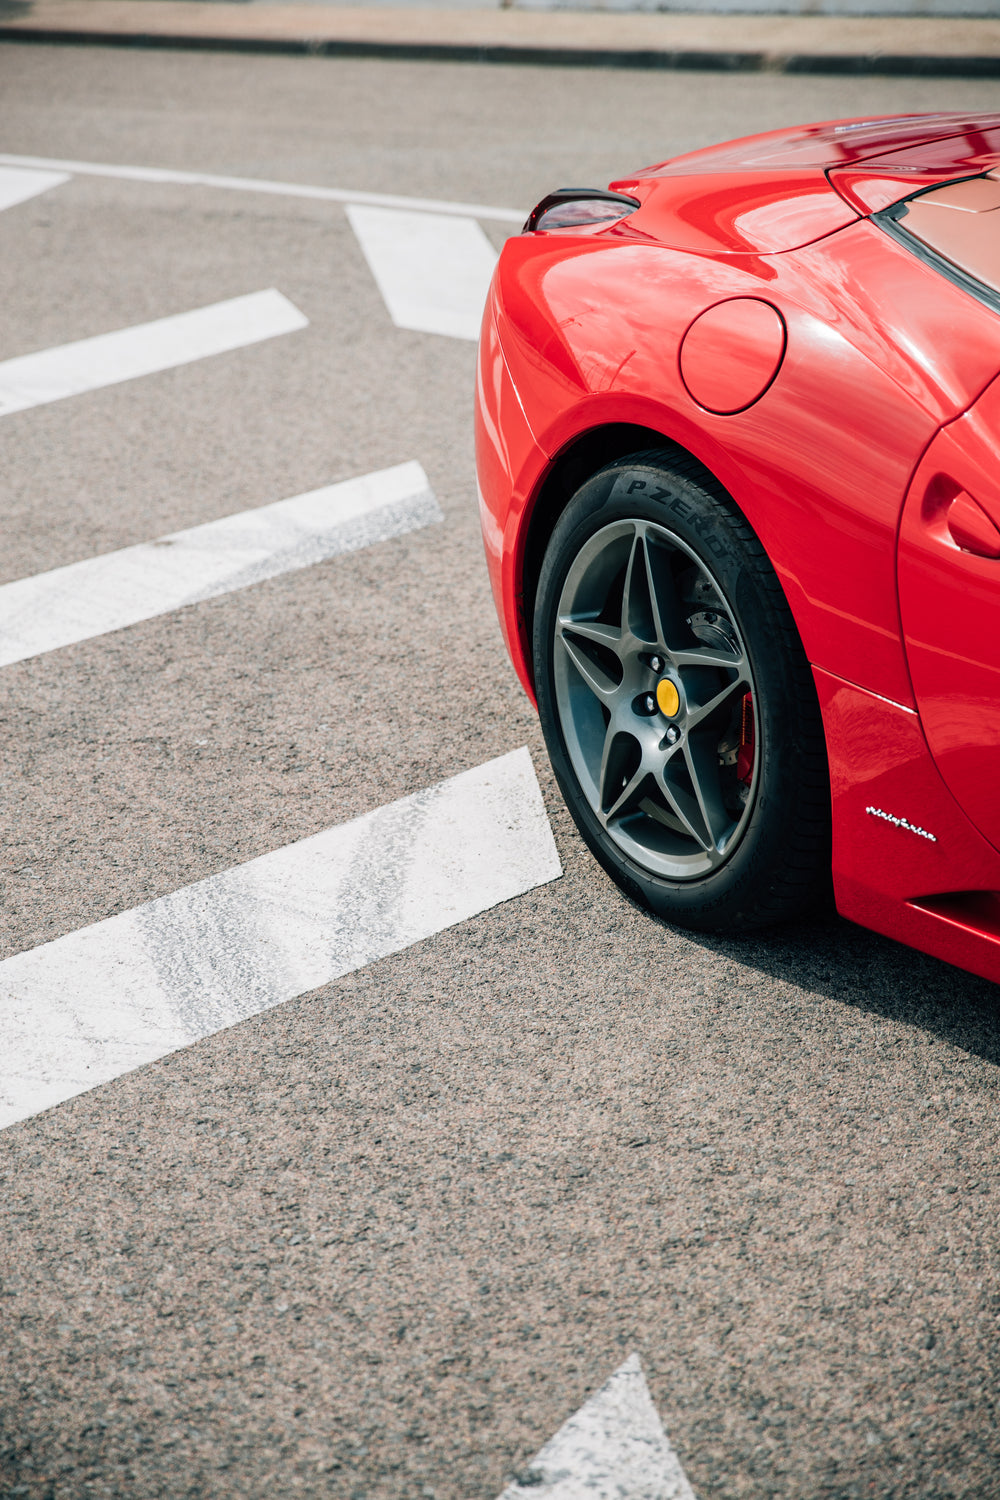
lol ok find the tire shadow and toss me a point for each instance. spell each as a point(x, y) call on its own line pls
point(871, 973)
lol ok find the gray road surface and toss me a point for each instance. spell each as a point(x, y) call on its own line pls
point(380, 1242)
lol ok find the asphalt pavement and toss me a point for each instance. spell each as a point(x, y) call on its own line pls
point(383, 1238)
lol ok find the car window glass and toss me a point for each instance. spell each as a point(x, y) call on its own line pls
point(961, 222)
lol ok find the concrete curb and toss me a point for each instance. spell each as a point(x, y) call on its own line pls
point(564, 57)
point(960, 49)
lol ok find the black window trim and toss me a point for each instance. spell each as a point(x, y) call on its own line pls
point(888, 219)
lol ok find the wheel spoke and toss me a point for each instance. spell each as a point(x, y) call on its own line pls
point(622, 773)
point(651, 610)
point(668, 616)
point(638, 617)
point(608, 636)
point(709, 656)
point(699, 713)
point(703, 768)
point(683, 802)
point(574, 636)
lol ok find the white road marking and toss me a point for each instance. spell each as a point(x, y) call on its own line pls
point(108, 359)
point(433, 272)
point(614, 1448)
point(99, 1002)
point(262, 185)
point(18, 184)
point(107, 593)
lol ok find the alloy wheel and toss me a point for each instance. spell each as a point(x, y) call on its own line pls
point(655, 696)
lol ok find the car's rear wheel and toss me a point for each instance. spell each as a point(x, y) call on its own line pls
point(676, 701)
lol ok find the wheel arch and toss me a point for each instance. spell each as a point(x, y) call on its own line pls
point(780, 862)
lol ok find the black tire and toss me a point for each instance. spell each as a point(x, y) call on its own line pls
point(670, 676)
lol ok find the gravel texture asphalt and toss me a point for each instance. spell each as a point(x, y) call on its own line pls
point(382, 1241)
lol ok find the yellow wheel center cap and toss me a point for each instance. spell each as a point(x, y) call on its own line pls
point(668, 699)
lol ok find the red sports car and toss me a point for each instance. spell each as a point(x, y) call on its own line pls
point(738, 422)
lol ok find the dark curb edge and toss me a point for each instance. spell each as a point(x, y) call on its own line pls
point(709, 60)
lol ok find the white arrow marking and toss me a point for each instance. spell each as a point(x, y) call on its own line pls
point(110, 358)
point(262, 185)
point(433, 271)
point(99, 1002)
point(614, 1448)
point(107, 593)
point(18, 185)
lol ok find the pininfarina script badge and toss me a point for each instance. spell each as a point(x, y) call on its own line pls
point(876, 812)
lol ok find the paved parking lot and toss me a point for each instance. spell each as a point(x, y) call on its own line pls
point(376, 1226)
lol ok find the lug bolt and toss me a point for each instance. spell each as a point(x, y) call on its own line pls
point(649, 704)
point(656, 663)
point(673, 734)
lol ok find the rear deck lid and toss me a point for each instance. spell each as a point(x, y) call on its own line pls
point(775, 192)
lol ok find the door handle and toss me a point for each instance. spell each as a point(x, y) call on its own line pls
point(971, 528)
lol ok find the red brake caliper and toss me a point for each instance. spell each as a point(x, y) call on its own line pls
point(745, 758)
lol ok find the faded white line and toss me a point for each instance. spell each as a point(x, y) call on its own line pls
point(99, 1002)
point(106, 593)
point(613, 1448)
point(110, 358)
point(433, 272)
point(262, 185)
point(17, 184)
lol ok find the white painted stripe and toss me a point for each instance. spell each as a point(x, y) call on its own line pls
point(262, 185)
point(99, 1002)
point(117, 589)
point(614, 1448)
point(108, 359)
point(18, 185)
point(433, 272)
